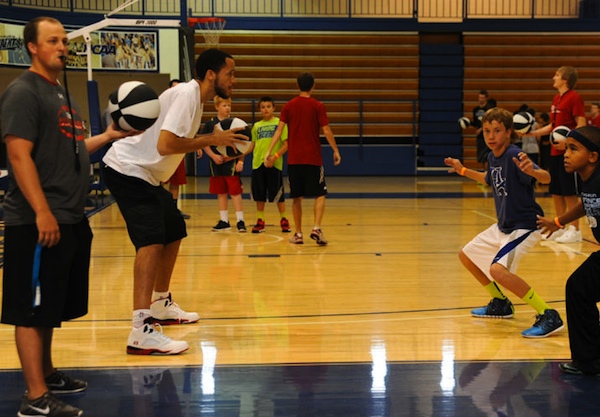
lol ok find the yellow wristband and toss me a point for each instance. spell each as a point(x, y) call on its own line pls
point(462, 171)
point(557, 222)
point(276, 155)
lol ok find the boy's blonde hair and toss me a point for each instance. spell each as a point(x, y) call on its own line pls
point(569, 74)
point(501, 116)
point(218, 100)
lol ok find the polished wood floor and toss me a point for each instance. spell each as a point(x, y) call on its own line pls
point(390, 277)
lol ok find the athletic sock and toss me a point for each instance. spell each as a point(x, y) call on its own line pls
point(139, 316)
point(260, 215)
point(224, 214)
point(158, 295)
point(535, 301)
point(494, 290)
point(240, 216)
point(283, 215)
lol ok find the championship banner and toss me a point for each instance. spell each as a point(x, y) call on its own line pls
point(111, 50)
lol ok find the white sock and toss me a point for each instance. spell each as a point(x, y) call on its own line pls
point(139, 316)
point(224, 215)
point(158, 295)
point(240, 216)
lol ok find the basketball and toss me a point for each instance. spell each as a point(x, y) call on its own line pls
point(134, 106)
point(464, 122)
point(559, 134)
point(522, 122)
point(232, 123)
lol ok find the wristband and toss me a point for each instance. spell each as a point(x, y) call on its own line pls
point(276, 155)
point(557, 222)
point(462, 171)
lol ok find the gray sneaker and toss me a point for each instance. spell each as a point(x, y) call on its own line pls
point(61, 383)
point(47, 406)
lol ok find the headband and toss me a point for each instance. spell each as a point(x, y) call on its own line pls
point(579, 137)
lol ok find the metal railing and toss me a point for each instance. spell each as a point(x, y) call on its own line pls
point(425, 10)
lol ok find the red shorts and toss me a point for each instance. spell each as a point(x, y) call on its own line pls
point(178, 177)
point(230, 184)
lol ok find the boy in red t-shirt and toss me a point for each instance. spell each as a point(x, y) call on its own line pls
point(305, 117)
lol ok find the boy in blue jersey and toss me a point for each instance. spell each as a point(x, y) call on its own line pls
point(582, 155)
point(493, 255)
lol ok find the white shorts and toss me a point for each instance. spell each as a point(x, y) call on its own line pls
point(494, 246)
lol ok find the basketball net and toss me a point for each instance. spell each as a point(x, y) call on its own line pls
point(211, 28)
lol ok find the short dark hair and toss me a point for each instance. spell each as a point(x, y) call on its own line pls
point(592, 133)
point(174, 81)
point(306, 81)
point(483, 92)
point(212, 59)
point(266, 99)
point(30, 31)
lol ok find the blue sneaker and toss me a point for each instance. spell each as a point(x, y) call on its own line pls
point(545, 324)
point(496, 309)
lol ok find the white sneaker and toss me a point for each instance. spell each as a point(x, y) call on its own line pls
point(555, 235)
point(571, 235)
point(164, 311)
point(149, 339)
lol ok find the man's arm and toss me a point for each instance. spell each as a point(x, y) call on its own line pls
point(27, 178)
point(169, 143)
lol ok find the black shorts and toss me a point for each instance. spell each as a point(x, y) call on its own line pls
point(63, 276)
point(306, 181)
point(149, 212)
point(267, 185)
point(562, 183)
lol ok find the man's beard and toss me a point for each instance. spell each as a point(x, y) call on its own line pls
point(220, 91)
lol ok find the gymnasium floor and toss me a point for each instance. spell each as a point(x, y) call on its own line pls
point(376, 323)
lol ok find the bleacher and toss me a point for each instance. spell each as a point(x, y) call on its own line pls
point(379, 68)
point(518, 68)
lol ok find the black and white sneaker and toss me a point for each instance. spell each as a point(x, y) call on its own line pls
point(221, 226)
point(61, 383)
point(47, 406)
point(241, 226)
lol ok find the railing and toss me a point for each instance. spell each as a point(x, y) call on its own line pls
point(423, 10)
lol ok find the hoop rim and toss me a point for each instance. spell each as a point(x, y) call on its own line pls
point(199, 20)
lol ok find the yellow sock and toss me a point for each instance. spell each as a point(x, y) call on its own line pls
point(260, 215)
point(494, 290)
point(535, 301)
point(282, 215)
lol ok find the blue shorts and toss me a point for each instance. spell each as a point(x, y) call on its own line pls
point(63, 276)
point(149, 211)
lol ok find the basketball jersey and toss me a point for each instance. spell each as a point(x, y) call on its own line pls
point(137, 156)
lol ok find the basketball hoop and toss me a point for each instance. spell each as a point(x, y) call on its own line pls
point(211, 28)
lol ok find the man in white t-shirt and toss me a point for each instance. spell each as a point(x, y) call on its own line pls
point(136, 167)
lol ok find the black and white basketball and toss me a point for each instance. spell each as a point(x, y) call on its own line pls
point(558, 136)
point(232, 123)
point(522, 122)
point(464, 122)
point(134, 106)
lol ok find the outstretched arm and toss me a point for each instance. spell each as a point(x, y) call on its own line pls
point(457, 166)
point(527, 166)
